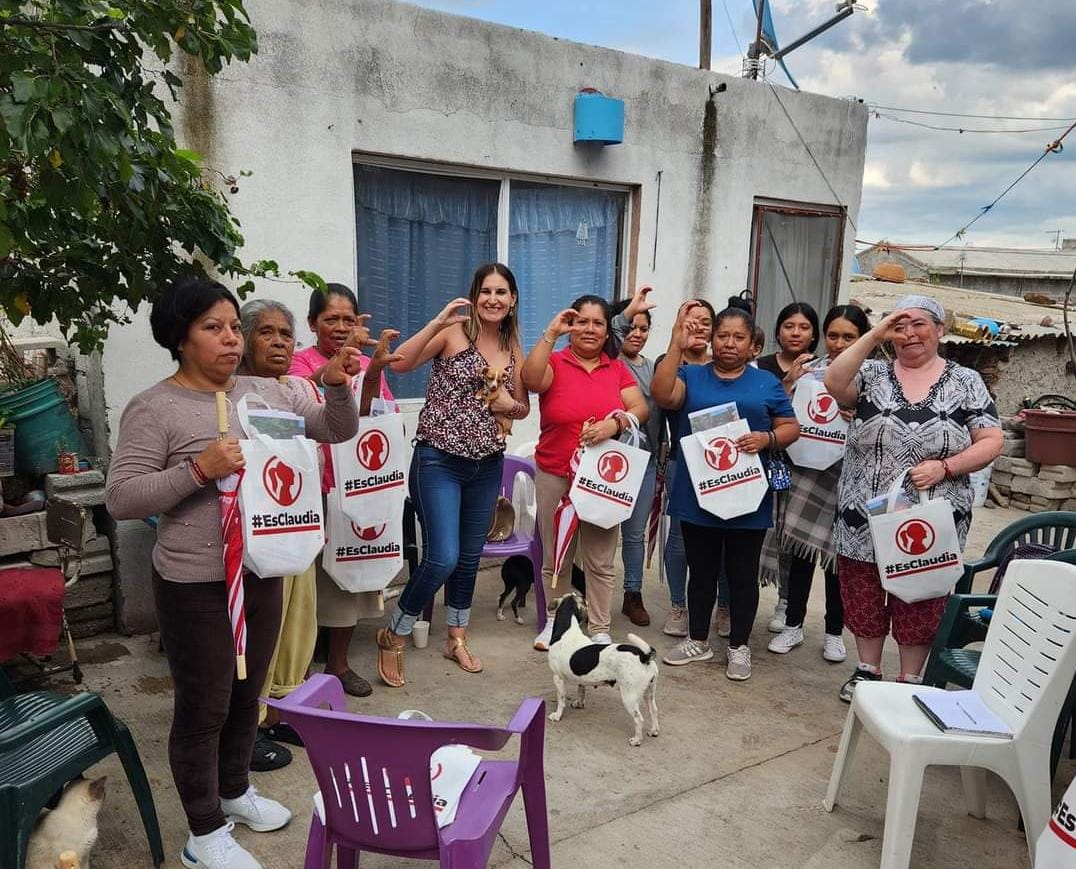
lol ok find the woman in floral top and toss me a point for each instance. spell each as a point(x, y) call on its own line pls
point(919, 412)
point(456, 466)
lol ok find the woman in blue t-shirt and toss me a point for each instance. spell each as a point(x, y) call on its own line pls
point(761, 400)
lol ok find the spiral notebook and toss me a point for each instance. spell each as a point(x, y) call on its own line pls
point(961, 712)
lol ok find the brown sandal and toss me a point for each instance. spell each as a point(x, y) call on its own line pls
point(456, 649)
point(389, 653)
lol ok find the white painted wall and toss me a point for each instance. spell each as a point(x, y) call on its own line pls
point(334, 77)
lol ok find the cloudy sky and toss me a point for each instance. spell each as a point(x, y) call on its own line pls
point(983, 57)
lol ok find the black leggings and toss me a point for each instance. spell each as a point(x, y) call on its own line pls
point(800, 575)
point(216, 715)
point(707, 549)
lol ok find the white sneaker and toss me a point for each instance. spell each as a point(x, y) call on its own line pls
point(602, 639)
point(739, 665)
point(542, 641)
point(786, 641)
point(834, 650)
point(259, 813)
point(777, 623)
point(217, 850)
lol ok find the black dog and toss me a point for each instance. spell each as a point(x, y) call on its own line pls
point(518, 577)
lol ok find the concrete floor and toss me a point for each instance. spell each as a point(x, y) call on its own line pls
point(736, 778)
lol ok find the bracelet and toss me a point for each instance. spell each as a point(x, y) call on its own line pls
point(945, 467)
point(773, 440)
point(517, 411)
point(196, 472)
point(547, 339)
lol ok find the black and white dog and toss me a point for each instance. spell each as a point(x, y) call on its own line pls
point(518, 577)
point(574, 658)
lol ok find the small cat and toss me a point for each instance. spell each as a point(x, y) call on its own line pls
point(71, 826)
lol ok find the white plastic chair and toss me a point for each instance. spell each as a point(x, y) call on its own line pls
point(1024, 674)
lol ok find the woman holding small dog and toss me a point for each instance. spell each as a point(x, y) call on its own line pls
point(761, 400)
point(459, 452)
point(585, 396)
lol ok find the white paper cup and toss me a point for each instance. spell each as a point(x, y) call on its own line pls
point(420, 634)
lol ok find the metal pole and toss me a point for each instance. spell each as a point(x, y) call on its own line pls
point(706, 32)
point(822, 28)
point(755, 51)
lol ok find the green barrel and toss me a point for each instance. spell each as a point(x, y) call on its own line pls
point(43, 426)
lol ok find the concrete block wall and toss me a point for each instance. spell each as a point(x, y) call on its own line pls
point(1036, 488)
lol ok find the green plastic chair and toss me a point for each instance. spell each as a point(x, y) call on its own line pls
point(1055, 528)
point(959, 626)
point(46, 740)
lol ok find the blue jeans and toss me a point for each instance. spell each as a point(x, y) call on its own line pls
point(633, 531)
point(676, 556)
point(454, 499)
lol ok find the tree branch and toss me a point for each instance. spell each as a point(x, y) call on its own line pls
point(38, 24)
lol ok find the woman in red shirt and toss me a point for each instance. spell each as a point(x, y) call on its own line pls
point(584, 397)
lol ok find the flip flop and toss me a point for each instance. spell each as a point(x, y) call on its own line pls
point(389, 651)
point(460, 652)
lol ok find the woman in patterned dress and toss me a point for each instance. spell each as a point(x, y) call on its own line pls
point(456, 466)
point(919, 412)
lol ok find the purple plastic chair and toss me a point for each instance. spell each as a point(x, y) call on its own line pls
point(529, 546)
point(374, 777)
point(521, 544)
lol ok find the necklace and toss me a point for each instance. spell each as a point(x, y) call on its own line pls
point(582, 361)
point(179, 382)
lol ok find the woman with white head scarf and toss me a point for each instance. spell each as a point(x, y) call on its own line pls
point(922, 412)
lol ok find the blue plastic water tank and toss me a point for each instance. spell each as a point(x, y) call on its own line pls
point(598, 118)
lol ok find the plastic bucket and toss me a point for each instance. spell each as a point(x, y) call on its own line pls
point(43, 427)
point(1051, 436)
point(980, 484)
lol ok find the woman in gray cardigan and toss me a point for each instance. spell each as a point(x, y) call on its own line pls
point(166, 460)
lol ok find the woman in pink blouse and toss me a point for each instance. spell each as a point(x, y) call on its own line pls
point(335, 320)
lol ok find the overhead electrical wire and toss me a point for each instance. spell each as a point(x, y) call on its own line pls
point(961, 129)
point(732, 27)
point(873, 106)
point(1053, 147)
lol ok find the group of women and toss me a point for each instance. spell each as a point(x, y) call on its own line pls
point(916, 411)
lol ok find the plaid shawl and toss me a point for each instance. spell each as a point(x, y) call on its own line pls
point(803, 522)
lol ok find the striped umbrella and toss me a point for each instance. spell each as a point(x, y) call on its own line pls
point(657, 504)
point(565, 521)
point(231, 527)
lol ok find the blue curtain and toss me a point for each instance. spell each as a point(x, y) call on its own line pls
point(420, 238)
point(563, 243)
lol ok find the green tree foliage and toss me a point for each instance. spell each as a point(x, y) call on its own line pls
point(98, 207)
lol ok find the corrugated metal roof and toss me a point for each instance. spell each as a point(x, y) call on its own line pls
point(1022, 262)
point(880, 296)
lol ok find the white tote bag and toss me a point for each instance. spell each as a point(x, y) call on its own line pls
point(823, 431)
point(607, 482)
point(917, 550)
point(371, 471)
point(727, 482)
point(280, 501)
point(1056, 848)
point(361, 559)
